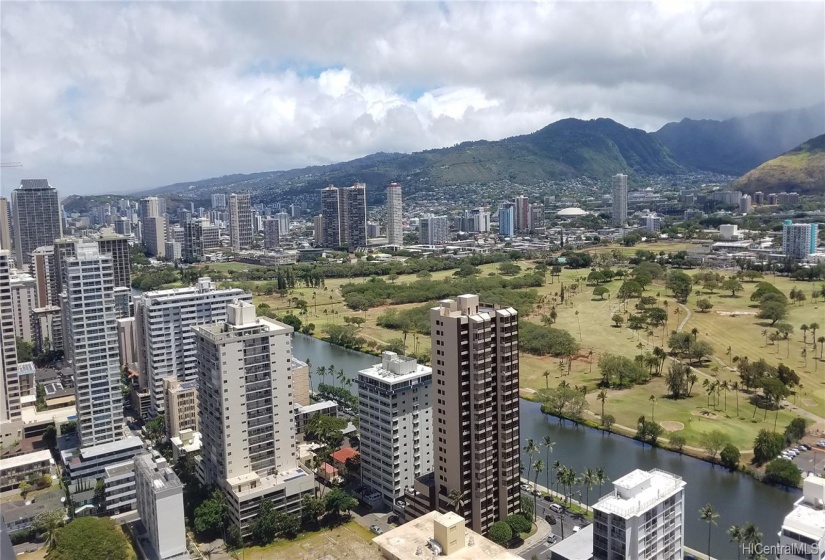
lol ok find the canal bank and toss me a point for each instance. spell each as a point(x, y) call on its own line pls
point(737, 498)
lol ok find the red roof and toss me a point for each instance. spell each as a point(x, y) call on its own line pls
point(342, 455)
point(329, 469)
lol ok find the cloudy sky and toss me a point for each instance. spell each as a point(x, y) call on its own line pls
point(108, 97)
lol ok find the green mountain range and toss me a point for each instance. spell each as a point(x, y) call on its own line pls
point(801, 169)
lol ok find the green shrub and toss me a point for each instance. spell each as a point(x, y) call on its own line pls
point(500, 532)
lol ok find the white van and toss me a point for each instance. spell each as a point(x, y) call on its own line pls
point(556, 507)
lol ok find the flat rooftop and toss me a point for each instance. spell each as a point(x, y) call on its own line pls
point(410, 542)
point(578, 546)
point(806, 521)
point(27, 459)
point(638, 491)
point(315, 407)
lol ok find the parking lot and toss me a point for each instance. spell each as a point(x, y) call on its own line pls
point(811, 461)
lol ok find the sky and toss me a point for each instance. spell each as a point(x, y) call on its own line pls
point(125, 96)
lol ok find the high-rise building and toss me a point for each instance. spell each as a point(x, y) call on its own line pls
point(799, 240)
point(619, 190)
point(240, 221)
point(219, 201)
point(318, 225)
point(10, 396)
point(166, 342)
point(506, 219)
point(522, 214)
point(803, 530)
point(91, 346)
point(127, 341)
point(123, 226)
point(745, 204)
point(154, 235)
point(283, 223)
point(5, 224)
point(433, 230)
point(173, 251)
point(272, 234)
point(477, 220)
point(345, 216)
point(536, 216)
point(395, 229)
point(246, 414)
point(23, 302)
point(118, 247)
point(181, 405)
point(396, 433)
point(198, 237)
point(36, 218)
point(643, 517)
point(43, 270)
point(159, 501)
point(476, 409)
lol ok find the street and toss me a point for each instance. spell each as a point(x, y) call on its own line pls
point(564, 524)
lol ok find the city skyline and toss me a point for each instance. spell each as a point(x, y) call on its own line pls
point(256, 105)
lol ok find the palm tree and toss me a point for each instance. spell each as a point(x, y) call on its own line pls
point(707, 386)
point(814, 327)
point(589, 480)
point(548, 444)
point(728, 353)
point(557, 466)
point(709, 516)
point(602, 396)
point(322, 373)
point(457, 500)
point(309, 374)
point(765, 334)
point(538, 467)
point(737, 535)
point(723, 386)
point(752, 536)
point(735, 388)
point(531, 448)
point(695, 332)
point(652, 400)
point(804, 328)
point(600, 478)
point(546, 375)
point(821, 341)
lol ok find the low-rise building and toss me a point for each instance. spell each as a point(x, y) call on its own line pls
point(304, 413)
point(187, 442)
point(15, 470)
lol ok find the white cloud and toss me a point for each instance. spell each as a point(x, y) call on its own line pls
point(100, 97)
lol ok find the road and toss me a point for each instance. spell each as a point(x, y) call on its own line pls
point(564, 525)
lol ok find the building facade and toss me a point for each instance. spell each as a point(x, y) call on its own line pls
point(10, 398)
point(23, 301)
point(240, 221)
point(5, 224)
point(476, 409)
point(395, 228)
point(618, 217)
point(36, 218)
point(159, 500)
point(154, 235)
point(506, 219)
point(219, 201)
point(345, 216)
point(272, 234)
point(166, 341)
point(90, 340)
point(799, 240)
point(643, 518)
point(181, 406)
point(522, 214)
point(246, 413)
point(395, 414)
point(433, 230)
point(803, 530)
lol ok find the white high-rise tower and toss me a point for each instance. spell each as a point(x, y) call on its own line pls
point(395, 230)
point(619, 216)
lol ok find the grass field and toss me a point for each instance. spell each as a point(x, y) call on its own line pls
point(588, 319)
point(346, 542)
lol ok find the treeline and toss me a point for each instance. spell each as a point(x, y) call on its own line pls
point(492, 289)
point(544, 341)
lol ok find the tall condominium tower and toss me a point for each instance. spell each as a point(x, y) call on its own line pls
point(799, 240)
point(10, 396)
point(240, 221)
point(246, 413)
point(91, 345)
point(507, 219)
point(433, 230)
point(36, 217)
point(395, 230)
point(198, 237)
point(345, 216)
point(619, 190)
point(283, 223)
point(219, 201)
point(476, 409)
point(23, 300)
point(272, 233)
point(166, 341)
point(643, 517)
point(522, 214)
point(396, 425)
point(5, 224)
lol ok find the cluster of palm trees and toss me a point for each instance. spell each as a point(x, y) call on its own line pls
point(566, 477)
point(716, 388)
point(323, 371)
point(747, 536)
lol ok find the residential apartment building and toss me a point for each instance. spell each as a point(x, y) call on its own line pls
point(199, 236)
point(477, 220)
point(433, 230)
point(219, 201)
point(23, 302)
point(240, 221)
point(395, 415)
point(5, 224)
point(283, 222)
point(246, 414)
point(476, 409)
point(15, 470)
point(10, 397)
point(803, 530)
point(522, 214)
point(127, 341)
point(318, 229)
point(159, 500)
point(47, 326)
point(166, 341)
point(799, 240)
point(44, 270)
point(36, 218)
point(181, 406)
point(395, 228)
point(642, 519)
point(536, 216)
point(272, 234)
point(506, 219)
point(91, 345)
point(618, 217)
point(154, 235)
point(345, 216)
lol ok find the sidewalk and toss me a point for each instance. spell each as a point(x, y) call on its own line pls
point(542, 530)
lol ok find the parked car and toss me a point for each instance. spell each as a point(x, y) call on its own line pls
point(557, 508)
point(392, 518)
point(548, 497)
point(376, 529)
point(805, 447)
point(552, 538)
point(550, 519)
point(525, 487)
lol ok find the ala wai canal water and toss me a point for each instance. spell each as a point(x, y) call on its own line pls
point(737, 498)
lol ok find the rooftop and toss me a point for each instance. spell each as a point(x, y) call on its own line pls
point(343, 454)
point(578, 546)
point(27, 459)
point(806, 521)
point(638, 491)
point(410, 541)
point(394, 368)
point(315, 407)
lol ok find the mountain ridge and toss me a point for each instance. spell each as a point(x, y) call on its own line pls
point(801, 169)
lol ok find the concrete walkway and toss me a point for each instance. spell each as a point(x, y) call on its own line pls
point(542, 530)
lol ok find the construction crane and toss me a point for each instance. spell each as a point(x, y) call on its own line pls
point(11, 164)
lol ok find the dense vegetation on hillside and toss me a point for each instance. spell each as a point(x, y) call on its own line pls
point(801, 169)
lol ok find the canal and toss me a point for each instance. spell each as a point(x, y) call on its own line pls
point(736, 497)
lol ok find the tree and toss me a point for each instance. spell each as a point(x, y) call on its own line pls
point(311, 509)
point(600, 292)
point(293, 321)
point(704, 305)
point(766, 446)
point(678, 379)
point(518, 523)
point(773, 311)
point(709, 516)
point(602, 396)
point(337, 501)
point(732, 285)
point(680, 284)
point(48, 523)
point(210, 515)
point(729, 457)
point(531, 448)
point(500, 532)
point(93, 538)
point(795, 430)
point(265, 527)
point(782, 472)
point(456, 499)
point(753, 538)
point(629, 289)
point(25, 351)
point(618, 320)
point(607, 421)
point(548, 444)
point(737, 535)
point(713, 442)
point(678, 442)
